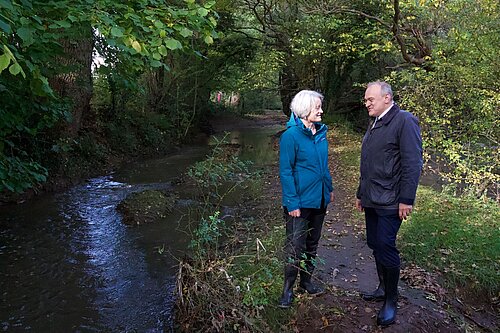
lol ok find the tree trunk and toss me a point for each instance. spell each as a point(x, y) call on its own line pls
point(288, 88)
point(75, 80)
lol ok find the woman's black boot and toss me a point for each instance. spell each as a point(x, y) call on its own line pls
point(287, 296)
point(379, 293)
point(307, 285)
point(387, 315)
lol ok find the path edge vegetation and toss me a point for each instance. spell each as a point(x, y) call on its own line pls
point(238, 286)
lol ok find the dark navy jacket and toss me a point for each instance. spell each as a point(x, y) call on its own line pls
point(391, 161)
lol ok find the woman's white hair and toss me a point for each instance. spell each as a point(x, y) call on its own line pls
point(304, 102)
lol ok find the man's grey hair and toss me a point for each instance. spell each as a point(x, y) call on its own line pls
point(385, 88)
point(304, 102)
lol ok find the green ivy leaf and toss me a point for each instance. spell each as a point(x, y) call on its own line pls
point(155, 63)
point(185, 32)
point(173, 44)
point(202, 12)
point(15, 69)
point(208, 39)
point(156, 56)
point(116, 32)
point(159, 24)
point(163, 50)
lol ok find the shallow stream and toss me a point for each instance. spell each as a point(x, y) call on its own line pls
point(69, 264)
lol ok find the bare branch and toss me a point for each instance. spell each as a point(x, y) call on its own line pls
point(397, 34)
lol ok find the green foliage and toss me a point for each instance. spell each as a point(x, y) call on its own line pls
point(122, 137)
point(148, 28)
point(457, 236)
point(257, 101)
point(22, 121)
point(35, 38)
point(206, 236)
point(457, 101)
point(17, 175)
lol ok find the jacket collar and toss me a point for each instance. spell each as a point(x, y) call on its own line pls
point(296, 122)
point(386, 119)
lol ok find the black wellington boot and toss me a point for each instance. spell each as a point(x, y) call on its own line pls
point(387, 315)
point(307, 285)
point(379, 293)
point(287, 297)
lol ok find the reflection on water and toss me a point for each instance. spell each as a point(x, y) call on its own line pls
point(255, 144)
point(68, 264)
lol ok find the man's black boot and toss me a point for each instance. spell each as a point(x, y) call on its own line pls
point(307, 285)
point(379, 293)
point(287, 296)
point(387, 315)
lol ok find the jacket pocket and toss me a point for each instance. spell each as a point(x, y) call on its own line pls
point(382, 192)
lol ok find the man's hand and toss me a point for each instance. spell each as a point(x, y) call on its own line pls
point(404, 210)
point(332, 197)
point(294, 213)
point(359, 207)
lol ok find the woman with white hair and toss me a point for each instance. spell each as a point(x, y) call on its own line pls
point(306, 190)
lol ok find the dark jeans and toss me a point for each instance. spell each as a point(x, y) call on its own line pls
point(302, 236)
point(382, 226)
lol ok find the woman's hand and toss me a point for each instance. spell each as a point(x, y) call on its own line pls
point(294, 213)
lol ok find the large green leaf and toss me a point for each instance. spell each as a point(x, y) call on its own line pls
point(26, 35)
point(15, 69)
point(202, 12)
point(185, 32)
point(173, 44)
point(156, 56)
point(6, 4)
point(4, 62)
point(137, 46)
point(116, 32)
point(5, 27)
point(163, 50)
point(64, 24)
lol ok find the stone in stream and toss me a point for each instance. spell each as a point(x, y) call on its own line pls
point(146, 207)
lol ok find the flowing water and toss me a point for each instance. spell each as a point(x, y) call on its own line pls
point(68, 263)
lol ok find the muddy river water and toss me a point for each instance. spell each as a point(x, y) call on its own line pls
point(68, 263)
